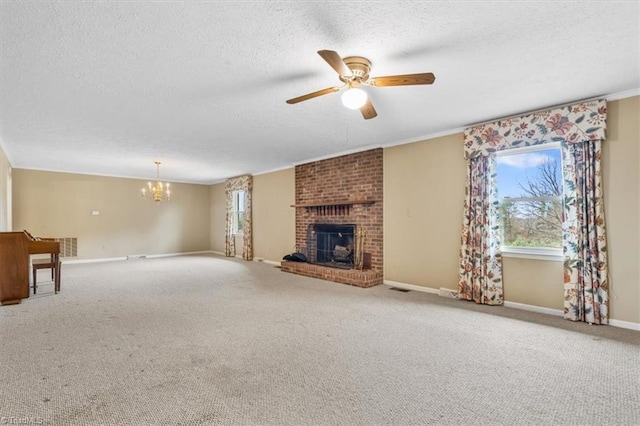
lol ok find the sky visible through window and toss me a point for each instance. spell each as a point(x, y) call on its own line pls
point(515, 169)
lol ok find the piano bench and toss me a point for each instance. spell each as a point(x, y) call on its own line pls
point(46, 263)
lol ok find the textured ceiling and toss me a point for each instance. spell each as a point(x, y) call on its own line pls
point(110, 87)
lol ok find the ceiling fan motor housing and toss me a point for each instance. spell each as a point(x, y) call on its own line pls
point(360, 68)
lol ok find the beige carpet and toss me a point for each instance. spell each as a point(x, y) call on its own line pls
point(207, 340)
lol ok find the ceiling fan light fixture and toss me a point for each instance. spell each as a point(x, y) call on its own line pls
point(354, 98)
point(353, 71)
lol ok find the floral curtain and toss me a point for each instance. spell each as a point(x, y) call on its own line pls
point(586, 284)
point(579, 128)
point(242, 183)
point(229, 239)
point(480, 277)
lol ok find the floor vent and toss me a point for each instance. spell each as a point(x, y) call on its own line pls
point(403, 290)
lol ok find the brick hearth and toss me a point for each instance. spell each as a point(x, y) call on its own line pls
point(355, 277)
point(342, 190)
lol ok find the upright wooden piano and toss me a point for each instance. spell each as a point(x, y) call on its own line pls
point(15, 249)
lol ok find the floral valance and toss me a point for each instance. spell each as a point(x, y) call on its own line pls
point(570, 124)
point(241, 183)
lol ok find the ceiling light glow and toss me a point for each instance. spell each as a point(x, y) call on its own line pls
point(354, 98)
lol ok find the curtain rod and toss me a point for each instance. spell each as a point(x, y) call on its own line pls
point(597, 98)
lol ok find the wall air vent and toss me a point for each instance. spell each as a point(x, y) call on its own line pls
point(68, 246)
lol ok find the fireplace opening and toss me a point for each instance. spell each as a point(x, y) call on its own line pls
point(331, 245)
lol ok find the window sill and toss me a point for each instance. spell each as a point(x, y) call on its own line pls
point(554, 255)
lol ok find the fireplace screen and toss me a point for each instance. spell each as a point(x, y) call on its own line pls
point(331, 245)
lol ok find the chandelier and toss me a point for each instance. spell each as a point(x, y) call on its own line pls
point(158, 191)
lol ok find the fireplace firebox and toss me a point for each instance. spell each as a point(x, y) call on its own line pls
point(331, 245)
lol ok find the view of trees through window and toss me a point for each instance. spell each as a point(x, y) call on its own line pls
point(530, 191)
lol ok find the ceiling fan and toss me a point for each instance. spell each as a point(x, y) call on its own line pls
point(353, 71)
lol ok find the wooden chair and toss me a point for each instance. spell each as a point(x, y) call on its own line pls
point(53, 263)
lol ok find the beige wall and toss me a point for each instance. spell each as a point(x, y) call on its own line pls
point(5, 192)
point(424, 191)
point(273, 217)
point(423, 197)
point(621, 161)
point(218, 211)
point(52, 204)
point(533, 282)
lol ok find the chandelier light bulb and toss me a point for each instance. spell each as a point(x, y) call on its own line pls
point(354, 98)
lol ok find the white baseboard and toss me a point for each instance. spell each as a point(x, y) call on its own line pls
point(559, 313)
point(411, 286)
point(186, 253)
point(255, 259)
point(117, 258)
point(94, 260)
point(532, 308)
point(625, 324)
point(268, 262)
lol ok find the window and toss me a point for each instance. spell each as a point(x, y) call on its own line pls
point(238, 212)
point(530, 192)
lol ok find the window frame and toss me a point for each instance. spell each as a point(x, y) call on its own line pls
point(537, 253)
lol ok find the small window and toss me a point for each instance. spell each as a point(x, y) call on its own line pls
point(530, 191)
point(238, 212)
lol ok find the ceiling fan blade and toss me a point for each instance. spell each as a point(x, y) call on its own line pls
point(313, 95)
point(368, 111)
point(335, 61)
point(403, 80)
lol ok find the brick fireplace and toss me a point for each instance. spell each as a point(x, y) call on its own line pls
point(339, 209)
